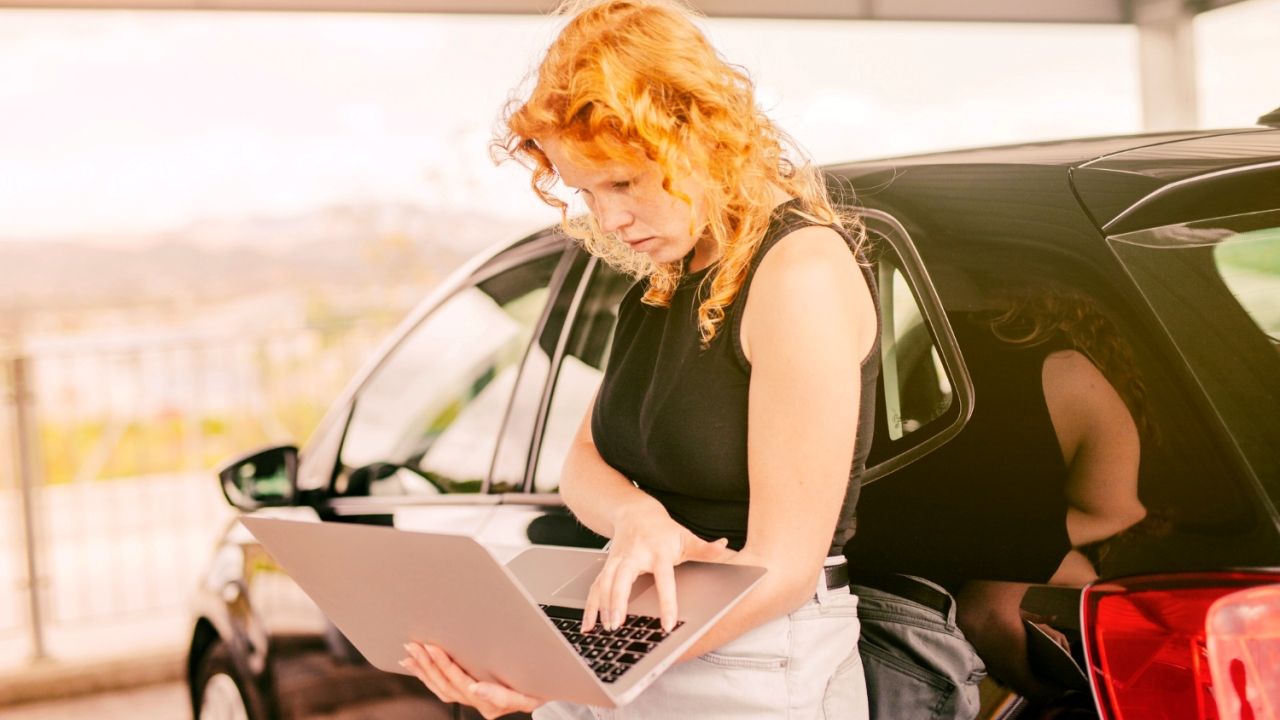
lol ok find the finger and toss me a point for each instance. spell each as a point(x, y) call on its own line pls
point(445, 690)
point(608, 576)
point(620, 593)
point(664, 580)
point(592, 610)
point(455, 675)
point(411, 666)
point(430, 674)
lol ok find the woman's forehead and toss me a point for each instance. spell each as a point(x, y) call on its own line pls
point(577, 166)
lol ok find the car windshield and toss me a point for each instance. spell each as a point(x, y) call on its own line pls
point(1215, 287)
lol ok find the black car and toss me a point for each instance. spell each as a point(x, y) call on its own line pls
point(462, 422)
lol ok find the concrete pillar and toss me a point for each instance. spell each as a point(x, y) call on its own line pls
point(1166, 58)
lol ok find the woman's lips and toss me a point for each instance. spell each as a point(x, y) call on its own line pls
point(637, 243)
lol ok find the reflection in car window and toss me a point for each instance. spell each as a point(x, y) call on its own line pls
point(1249, 263)
point(916, 388)
point(1215, 285)
point(427, 421)
point(580, 371)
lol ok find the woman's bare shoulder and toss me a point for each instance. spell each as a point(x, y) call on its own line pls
point(811, 274)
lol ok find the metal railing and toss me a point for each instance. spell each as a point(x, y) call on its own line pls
point(108, 504)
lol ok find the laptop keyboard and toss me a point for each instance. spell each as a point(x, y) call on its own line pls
point(610, 653)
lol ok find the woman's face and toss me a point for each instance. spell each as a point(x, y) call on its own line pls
point(628, 201)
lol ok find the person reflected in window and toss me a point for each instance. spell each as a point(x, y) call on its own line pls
point(735, 412)
point(1043, 476)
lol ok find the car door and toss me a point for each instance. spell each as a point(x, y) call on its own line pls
point(415, 450)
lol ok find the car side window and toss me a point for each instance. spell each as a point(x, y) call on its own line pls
point(579, 371)
point(923, 391)
point(427, 420)
point(916, 387)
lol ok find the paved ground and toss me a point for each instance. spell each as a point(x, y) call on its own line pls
point(154, 702)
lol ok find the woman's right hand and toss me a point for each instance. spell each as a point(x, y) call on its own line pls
point(645, 540)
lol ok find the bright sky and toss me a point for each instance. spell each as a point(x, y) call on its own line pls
point(116, 123)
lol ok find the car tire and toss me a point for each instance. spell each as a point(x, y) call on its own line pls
point(220, 693)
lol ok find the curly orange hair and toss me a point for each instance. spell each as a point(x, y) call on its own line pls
point(633, 80)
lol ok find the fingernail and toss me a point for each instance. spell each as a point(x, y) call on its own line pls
point(408, 648)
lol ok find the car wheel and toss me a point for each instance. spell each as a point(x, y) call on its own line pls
point(221, 695)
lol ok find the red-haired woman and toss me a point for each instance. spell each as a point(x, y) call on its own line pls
point(734, 417)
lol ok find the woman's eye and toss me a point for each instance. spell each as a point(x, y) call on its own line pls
point(622, 185)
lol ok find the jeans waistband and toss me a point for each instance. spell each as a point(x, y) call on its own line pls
point(907, 588)
point(834, 577)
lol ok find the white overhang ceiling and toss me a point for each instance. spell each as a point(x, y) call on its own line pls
point(1048, 11)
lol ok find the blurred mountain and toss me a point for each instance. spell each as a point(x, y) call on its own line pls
point(333, 250)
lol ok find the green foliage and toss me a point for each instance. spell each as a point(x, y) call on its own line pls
point(1257, 250)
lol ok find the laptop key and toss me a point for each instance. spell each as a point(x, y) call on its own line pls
point(563, 613)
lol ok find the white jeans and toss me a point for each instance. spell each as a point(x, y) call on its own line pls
point(799, 666)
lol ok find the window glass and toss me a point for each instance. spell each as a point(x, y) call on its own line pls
point(916, 388)
point(512, 456)
point(1249, 263)
point(427, 421)
point(580, 371)
point(1215, 285)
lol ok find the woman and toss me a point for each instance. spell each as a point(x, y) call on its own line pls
point(1047, 466)
point(733, 419)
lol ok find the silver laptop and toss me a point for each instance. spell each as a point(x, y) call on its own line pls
point(515, 624)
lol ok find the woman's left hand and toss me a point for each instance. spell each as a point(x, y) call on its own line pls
point(451, 683)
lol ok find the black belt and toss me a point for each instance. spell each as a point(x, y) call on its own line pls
point(906, 588)
point(837, 576)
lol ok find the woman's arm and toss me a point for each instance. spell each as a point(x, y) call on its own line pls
point(810, 320)
point(645, 538)
point(598, 494)
point(1100, 443)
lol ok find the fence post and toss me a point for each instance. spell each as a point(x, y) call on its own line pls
point(27, 440)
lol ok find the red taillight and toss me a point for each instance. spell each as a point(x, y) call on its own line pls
point(1244, 653)
point(1145, 642)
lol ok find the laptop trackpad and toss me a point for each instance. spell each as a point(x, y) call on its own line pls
point(577, 588)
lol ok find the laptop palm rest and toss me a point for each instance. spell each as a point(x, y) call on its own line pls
point(574, 592)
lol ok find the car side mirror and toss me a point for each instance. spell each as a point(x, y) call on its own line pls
point(263, 478)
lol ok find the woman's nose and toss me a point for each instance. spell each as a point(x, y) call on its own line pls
point(613, 215)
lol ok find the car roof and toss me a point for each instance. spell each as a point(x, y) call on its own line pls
point(1109, 174)
point(1075, 152)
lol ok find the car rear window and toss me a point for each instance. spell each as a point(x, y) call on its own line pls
point(1214, 284)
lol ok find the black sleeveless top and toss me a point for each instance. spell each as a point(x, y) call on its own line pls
point(988, 505)
point(672, 417)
